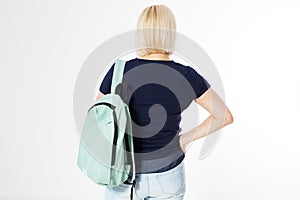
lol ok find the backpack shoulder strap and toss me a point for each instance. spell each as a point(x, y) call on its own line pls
point(117, 74)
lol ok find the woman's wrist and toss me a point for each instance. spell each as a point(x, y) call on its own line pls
point(187, 139)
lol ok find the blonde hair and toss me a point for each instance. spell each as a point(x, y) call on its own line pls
point(156, 31)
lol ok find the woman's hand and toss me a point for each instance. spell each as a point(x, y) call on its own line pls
point(182, 144)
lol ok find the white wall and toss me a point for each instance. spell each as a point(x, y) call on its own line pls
point(254, 44)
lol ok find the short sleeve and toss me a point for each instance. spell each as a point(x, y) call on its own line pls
point(198, 82)
point(106, 82)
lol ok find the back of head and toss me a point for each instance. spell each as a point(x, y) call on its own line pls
point(156, 31)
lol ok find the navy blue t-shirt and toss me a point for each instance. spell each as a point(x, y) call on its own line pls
point(160, 91)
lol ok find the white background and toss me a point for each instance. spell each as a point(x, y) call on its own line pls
point(254, 45)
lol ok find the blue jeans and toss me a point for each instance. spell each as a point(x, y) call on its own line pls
point(170, 184)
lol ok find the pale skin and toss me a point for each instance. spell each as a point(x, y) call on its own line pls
point(219, 117)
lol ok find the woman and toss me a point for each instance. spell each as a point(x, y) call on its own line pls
point(160, 151)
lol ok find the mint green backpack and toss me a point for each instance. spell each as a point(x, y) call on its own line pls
point(106, 153)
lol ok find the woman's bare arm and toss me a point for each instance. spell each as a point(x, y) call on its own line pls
point(100, 94)
point(220, 116)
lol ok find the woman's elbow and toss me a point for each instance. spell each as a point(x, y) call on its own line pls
point(228, 118)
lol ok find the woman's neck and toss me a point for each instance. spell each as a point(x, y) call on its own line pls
point(156, 56)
